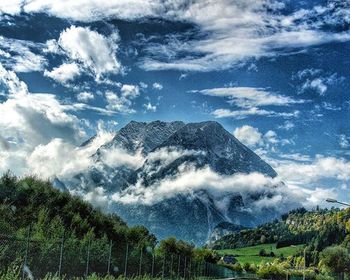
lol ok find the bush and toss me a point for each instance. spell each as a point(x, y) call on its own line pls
point(237, 267)
point(246, 267)
point(335, 259)
point(262, 253)
point(271, 271)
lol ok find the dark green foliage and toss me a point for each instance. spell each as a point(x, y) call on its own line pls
point(32, 207)
point(336, 259)
point(319, 228)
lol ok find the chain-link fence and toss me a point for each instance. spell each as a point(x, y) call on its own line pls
point(71, 257)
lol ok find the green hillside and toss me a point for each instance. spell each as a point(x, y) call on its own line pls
point(39, 224)
point(318, 228)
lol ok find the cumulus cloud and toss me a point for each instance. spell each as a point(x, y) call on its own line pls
point(40, 132)
point(122, 103)
point(91, 10)
point(64, 160)
point(93, 51)
point(248, 135)
point(157, 86)
point(85, 96)
point(116, 157)
point(320, 168)
point(98, 197)
point(11, 84)
point(149, 107)
point(64, 73)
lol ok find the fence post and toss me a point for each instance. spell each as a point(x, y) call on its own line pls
point(171, 265)
point(88, 258)
point(185, 267)
point(109, 257)
point(140, 265)
point(126, 259)
point(178, 267)
point(189, 270)
point(61, 257)
point(152, 272)
point(26, 251)
point(163, 268)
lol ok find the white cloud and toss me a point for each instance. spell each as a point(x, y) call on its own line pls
point(64, 73)
point(230, 31)
point(157, 86)
point(25, 55)
point(248, 135)
point(98, 197)
point(316, 80)
point(93, 50)
point(11, 82)
point(235, 31)
point(320, 168)
point(10, 7)
point(122, 103)
point(246, 97)
point(150, 107)
point(242, 114)
point(250, 99)
point(40, 133)
point(92, 10)
point(85, 96)
point(64, 160)
point(343, 141)
point(189, 180)
point(317, 84)
point(116, 157)
point(287, 125)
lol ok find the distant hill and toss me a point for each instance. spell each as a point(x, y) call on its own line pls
point(318, 228)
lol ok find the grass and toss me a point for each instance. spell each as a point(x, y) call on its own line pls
point(251, 254)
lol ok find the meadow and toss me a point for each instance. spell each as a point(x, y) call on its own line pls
point(251, 254)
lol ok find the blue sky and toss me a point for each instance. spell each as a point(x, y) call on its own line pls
point(274, 73)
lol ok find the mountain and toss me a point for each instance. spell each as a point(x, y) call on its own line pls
point(141, 169)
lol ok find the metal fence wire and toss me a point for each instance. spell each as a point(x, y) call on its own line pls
point(71, 257)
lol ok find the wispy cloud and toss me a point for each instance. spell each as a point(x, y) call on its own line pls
point(249, 101)
point(246, 97)
point(21, 55)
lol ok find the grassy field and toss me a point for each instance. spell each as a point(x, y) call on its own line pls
point(251, 254)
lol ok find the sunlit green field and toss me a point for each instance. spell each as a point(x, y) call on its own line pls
point(251, 254)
